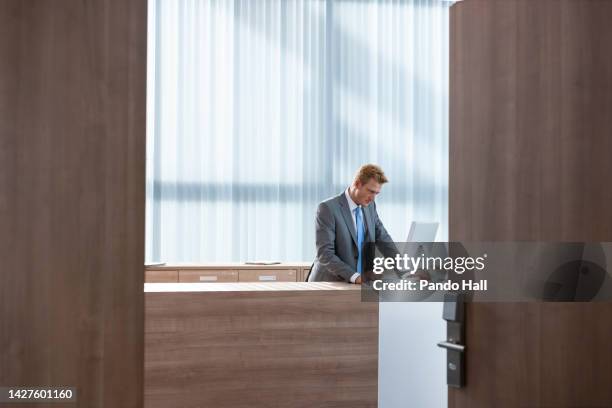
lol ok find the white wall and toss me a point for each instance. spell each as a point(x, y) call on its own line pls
point(411, 368)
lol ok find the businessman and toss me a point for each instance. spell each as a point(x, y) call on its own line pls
point(344, 224)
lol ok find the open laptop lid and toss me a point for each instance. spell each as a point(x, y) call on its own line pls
point(422, 231)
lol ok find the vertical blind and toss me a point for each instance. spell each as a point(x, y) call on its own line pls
point(258, 110)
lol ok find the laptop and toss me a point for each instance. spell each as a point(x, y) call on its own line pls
point(422, 231)
point(425, 234)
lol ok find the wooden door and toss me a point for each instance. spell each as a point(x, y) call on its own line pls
point(531, 160)
point(72, 182)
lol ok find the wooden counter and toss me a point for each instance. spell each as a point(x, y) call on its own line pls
point(290, 344)
point(248, 286)
point(227, 272)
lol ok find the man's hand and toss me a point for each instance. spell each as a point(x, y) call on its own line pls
point(358, 280)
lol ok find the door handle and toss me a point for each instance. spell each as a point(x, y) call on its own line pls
point(452, 346)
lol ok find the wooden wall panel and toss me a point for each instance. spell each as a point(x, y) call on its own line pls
point(530, 159)
point(72, 180)
point(285, 348)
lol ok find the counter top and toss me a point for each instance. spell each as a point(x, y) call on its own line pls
point(248, 286)
point(227, 265)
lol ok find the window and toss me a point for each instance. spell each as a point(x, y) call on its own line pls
point(258, 110)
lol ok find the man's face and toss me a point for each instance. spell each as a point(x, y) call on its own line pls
point(366, 193)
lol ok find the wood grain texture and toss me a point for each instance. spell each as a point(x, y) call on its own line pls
point(228, 265)
point(208, 275)
point(530, 144)
point(261, 349)
point(161, 276)
point(72, 179)
point(231, 272)
point(279, 275)
point(248, 286)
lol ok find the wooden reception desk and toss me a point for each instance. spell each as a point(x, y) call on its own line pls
point(260, 344)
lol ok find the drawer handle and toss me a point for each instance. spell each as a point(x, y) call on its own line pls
point(208, 278)
point(267, 277)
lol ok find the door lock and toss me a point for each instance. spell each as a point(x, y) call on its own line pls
point(454, 314)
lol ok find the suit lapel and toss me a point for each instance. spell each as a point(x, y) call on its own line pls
point(348, 217)
point(369, 223)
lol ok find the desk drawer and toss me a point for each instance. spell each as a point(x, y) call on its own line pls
point(161, 276)
point(208, 275)
point(268, 275)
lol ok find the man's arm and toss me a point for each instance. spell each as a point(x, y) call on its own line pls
point(326, 248)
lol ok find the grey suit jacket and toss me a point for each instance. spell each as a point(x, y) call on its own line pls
point(336, 239)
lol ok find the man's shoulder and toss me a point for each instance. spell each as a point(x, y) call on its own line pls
point(331, 201)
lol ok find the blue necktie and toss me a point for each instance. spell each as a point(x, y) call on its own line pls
point(360, 234)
